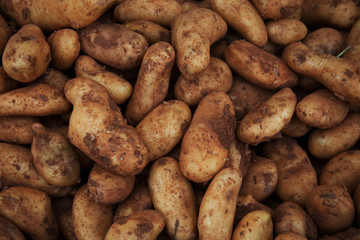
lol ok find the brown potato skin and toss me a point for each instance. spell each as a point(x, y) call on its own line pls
point(356, 199)
point(277, 9)
point(54, 78)
point(6, 82)
point(325, 40)
point(349, 234)
point(239, 156)
point(62, 208)
point(258, 66)
point(113, 44)
point(205, 145)
point(152, 32)
point(295, 128)
point(285, 31)
point(246, 204)
point(9, 231)
point(5, 33)
point(290, 236)
point(17, 129)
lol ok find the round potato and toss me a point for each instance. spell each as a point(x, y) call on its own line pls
point(286, 30)
point(325, 40)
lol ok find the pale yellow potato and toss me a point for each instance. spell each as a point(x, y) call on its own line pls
point(192, 34)
point(9, 231)
point(91, 220)
point(290, 236)
point(205, 145)
point(17, 129)
point(286, 30)
point(268, 119)
point(30, 210)
point(62, 208)
point(275, 9)
point(173, 195)
point(163, 128)
point(217, 209)
point(244, 18)
point(295, 128)
point(325, 40)
point(239, 156)
point(27, 54)
point(6, 82)
point(256, 225)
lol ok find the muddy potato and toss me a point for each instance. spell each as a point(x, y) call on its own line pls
point(173, 195)
point(62, 208)
point(17, 129)
point(205, 145)
point(54, 78)
point(258, 66)
point(163, 128)
point(108, 188)
point(239, 156)
point(96, 226)
point(326, 143)
point(325, 40)
point(286, 30)
point(30, 209)
point(268, 119)
point(27, 54)
point(113, 44)
point(295, 128)
point(5, 33)
point(271, 9)
point(290, 236)
point(256, 225)
point(9, 231)
point(6, 82)
point(331, 208)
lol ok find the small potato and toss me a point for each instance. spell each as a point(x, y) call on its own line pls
point(296, 175)
point(290, 217)
point(217, 209)
point(30, 209)
point(256, 225)
point(342, 170)
point(96, 226)
point(161, 12)
point(152, 32)
point(5, 33)
point(258, 66)
point(216, 77)
point(152, 84)
point(163, 128)
point(325, 40)
point(239, 156)
point(17, 129)
point(295, 128)
point(113, 44)
point(321, 109)
point(118, 87)
point(268, 119)
point(270, 9)
point(331, 208)
point(260, 179)
point(27, 54)
point(62, 208)
point(286, 30)
point(326, 143)
point(244, 18)
point(108, 188)
point(290, 236)
point(6, 82)
point(205, 145)
point(144, 224)
point(54, 78)
point(173, 195)
point(9, 231)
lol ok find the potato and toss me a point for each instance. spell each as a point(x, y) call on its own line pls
point(54, 15)
point(290, 217)
point(193, 33)
point(271, 9)
point(290, 236)
point(353, 40)
point(244, 18)
point(286, 30)
point(17, 169)
point(17, 129)
point(239, 156)
point(163, 128)
point(268, 119)
point(256, 225)
point(173, 195)
point(216, 77)
point(113, 44)
point(331, 208)
point(6, 82)
point(321, 109)
point(205, 145)
point(54, 78)
point(260, 179)
point(62, 208)
point(348, 234)
point(144, 224)
point(325, 40)
point(341, 14)
point(118, 87)
point(152, 32)
point(259, 67)
point(91, 220)
point(27, 54)
point(29, 209)
point(296, 175)
point(108, 188)
point(295, 128)
point(217, 209)
point(98, 129)
point(326, 143)
point(161, 12)
point(152, 83)
point(9, 231)
point(64, 48)
point(5, 33)
point(339, 75)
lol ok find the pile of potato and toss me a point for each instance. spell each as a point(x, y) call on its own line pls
point(180, 119)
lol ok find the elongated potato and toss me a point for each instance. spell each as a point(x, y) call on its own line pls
point(217, 209)
point(153, 81)
point(244, 18)
point(258, 66)
point(17, 129)
point(193, 33)
point(9, 231)
point(173, 196)
point(62, 208)
point(163, 128)
point(30, 209)
point(286, 30)
point(270, 9)
point(268, 119)
point(205, 145)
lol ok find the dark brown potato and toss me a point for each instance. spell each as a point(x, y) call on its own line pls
point(62, 208)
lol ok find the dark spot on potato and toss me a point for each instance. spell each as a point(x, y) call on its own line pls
point(105, 43)
point(348, 73)
point(335, 3)
point(26, 14)
point(162, 161)
point(229, 195)
point(300, 57)
point(26, 38)
point(289, 10)
point(121, 221)
point(142, 228)
point(17, 166)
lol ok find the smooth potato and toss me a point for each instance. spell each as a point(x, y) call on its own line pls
point(286, 30)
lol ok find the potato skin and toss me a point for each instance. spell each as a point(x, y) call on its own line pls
point(285, 31)
point(62, 208)
point(325, 40)
point(152, 32)
point(17, 129)
point(295, 128)
point(356, 199)
point(5, 33)
point(205, 145)
point(258, 66)
point(6, 82)
point(9, 231)
point(290, 236)
point(277, 9)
